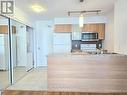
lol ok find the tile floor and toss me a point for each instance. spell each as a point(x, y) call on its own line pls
point(4, 79)
point(19, 72)
point(35, 80)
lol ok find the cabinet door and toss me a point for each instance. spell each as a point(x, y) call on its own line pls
point(14, 29)
point(3, 29)
point(63, 28)
point(90, 28)
point(101, 31)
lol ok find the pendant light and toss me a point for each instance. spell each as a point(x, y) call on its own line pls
point(81, 17)
point(81, 21)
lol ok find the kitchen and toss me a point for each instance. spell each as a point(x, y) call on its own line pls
point(64, 72)
point(81, 61)
point(90, 68)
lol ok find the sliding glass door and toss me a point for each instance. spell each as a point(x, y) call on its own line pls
point(19, 49)
point(16, 51)
point(30, 48)
point(4, 53)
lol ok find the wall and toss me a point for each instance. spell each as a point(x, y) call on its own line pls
point(3, 21)
point(75, 20)
point(22, 17)
point(109, 32)
point(120, 36)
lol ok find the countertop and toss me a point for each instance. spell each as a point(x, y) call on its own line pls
point(84, 54)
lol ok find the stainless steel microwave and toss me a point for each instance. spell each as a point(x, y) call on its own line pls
point(89, 36)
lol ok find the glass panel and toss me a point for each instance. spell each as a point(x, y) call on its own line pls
point(19, 49)
point(4, 52)
point(30, 48)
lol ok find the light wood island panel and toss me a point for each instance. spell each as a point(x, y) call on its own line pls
point(87, 73)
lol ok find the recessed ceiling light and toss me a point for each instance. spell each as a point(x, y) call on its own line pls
point(37, 8)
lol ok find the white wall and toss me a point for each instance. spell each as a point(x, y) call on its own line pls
point(75, 20)
point(120, 36)
point(3, 21)
point(22, 17)
point(109, 32)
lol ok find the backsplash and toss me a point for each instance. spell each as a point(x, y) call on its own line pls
point(76, 44)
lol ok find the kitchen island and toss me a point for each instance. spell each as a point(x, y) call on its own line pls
point(87, 74)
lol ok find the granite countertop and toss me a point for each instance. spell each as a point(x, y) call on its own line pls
point(84, 54)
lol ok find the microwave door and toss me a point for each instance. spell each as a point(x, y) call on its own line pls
point(89, 36)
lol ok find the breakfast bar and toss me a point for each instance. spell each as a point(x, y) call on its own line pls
point(87, 73)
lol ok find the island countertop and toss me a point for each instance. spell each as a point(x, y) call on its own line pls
point(87, 73)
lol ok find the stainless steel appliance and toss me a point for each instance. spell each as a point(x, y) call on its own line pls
point(88, 47)
point(89, 36)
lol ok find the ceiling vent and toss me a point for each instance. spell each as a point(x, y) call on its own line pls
point(81, 1)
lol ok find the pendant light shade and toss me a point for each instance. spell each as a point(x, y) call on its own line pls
point(81, 21)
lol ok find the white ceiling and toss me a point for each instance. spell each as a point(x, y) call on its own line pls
point(59, 8)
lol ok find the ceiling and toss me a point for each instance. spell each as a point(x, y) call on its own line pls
point(59, 8)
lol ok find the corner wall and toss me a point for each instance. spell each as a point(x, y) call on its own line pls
point(109, 32)
point(120, 34)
